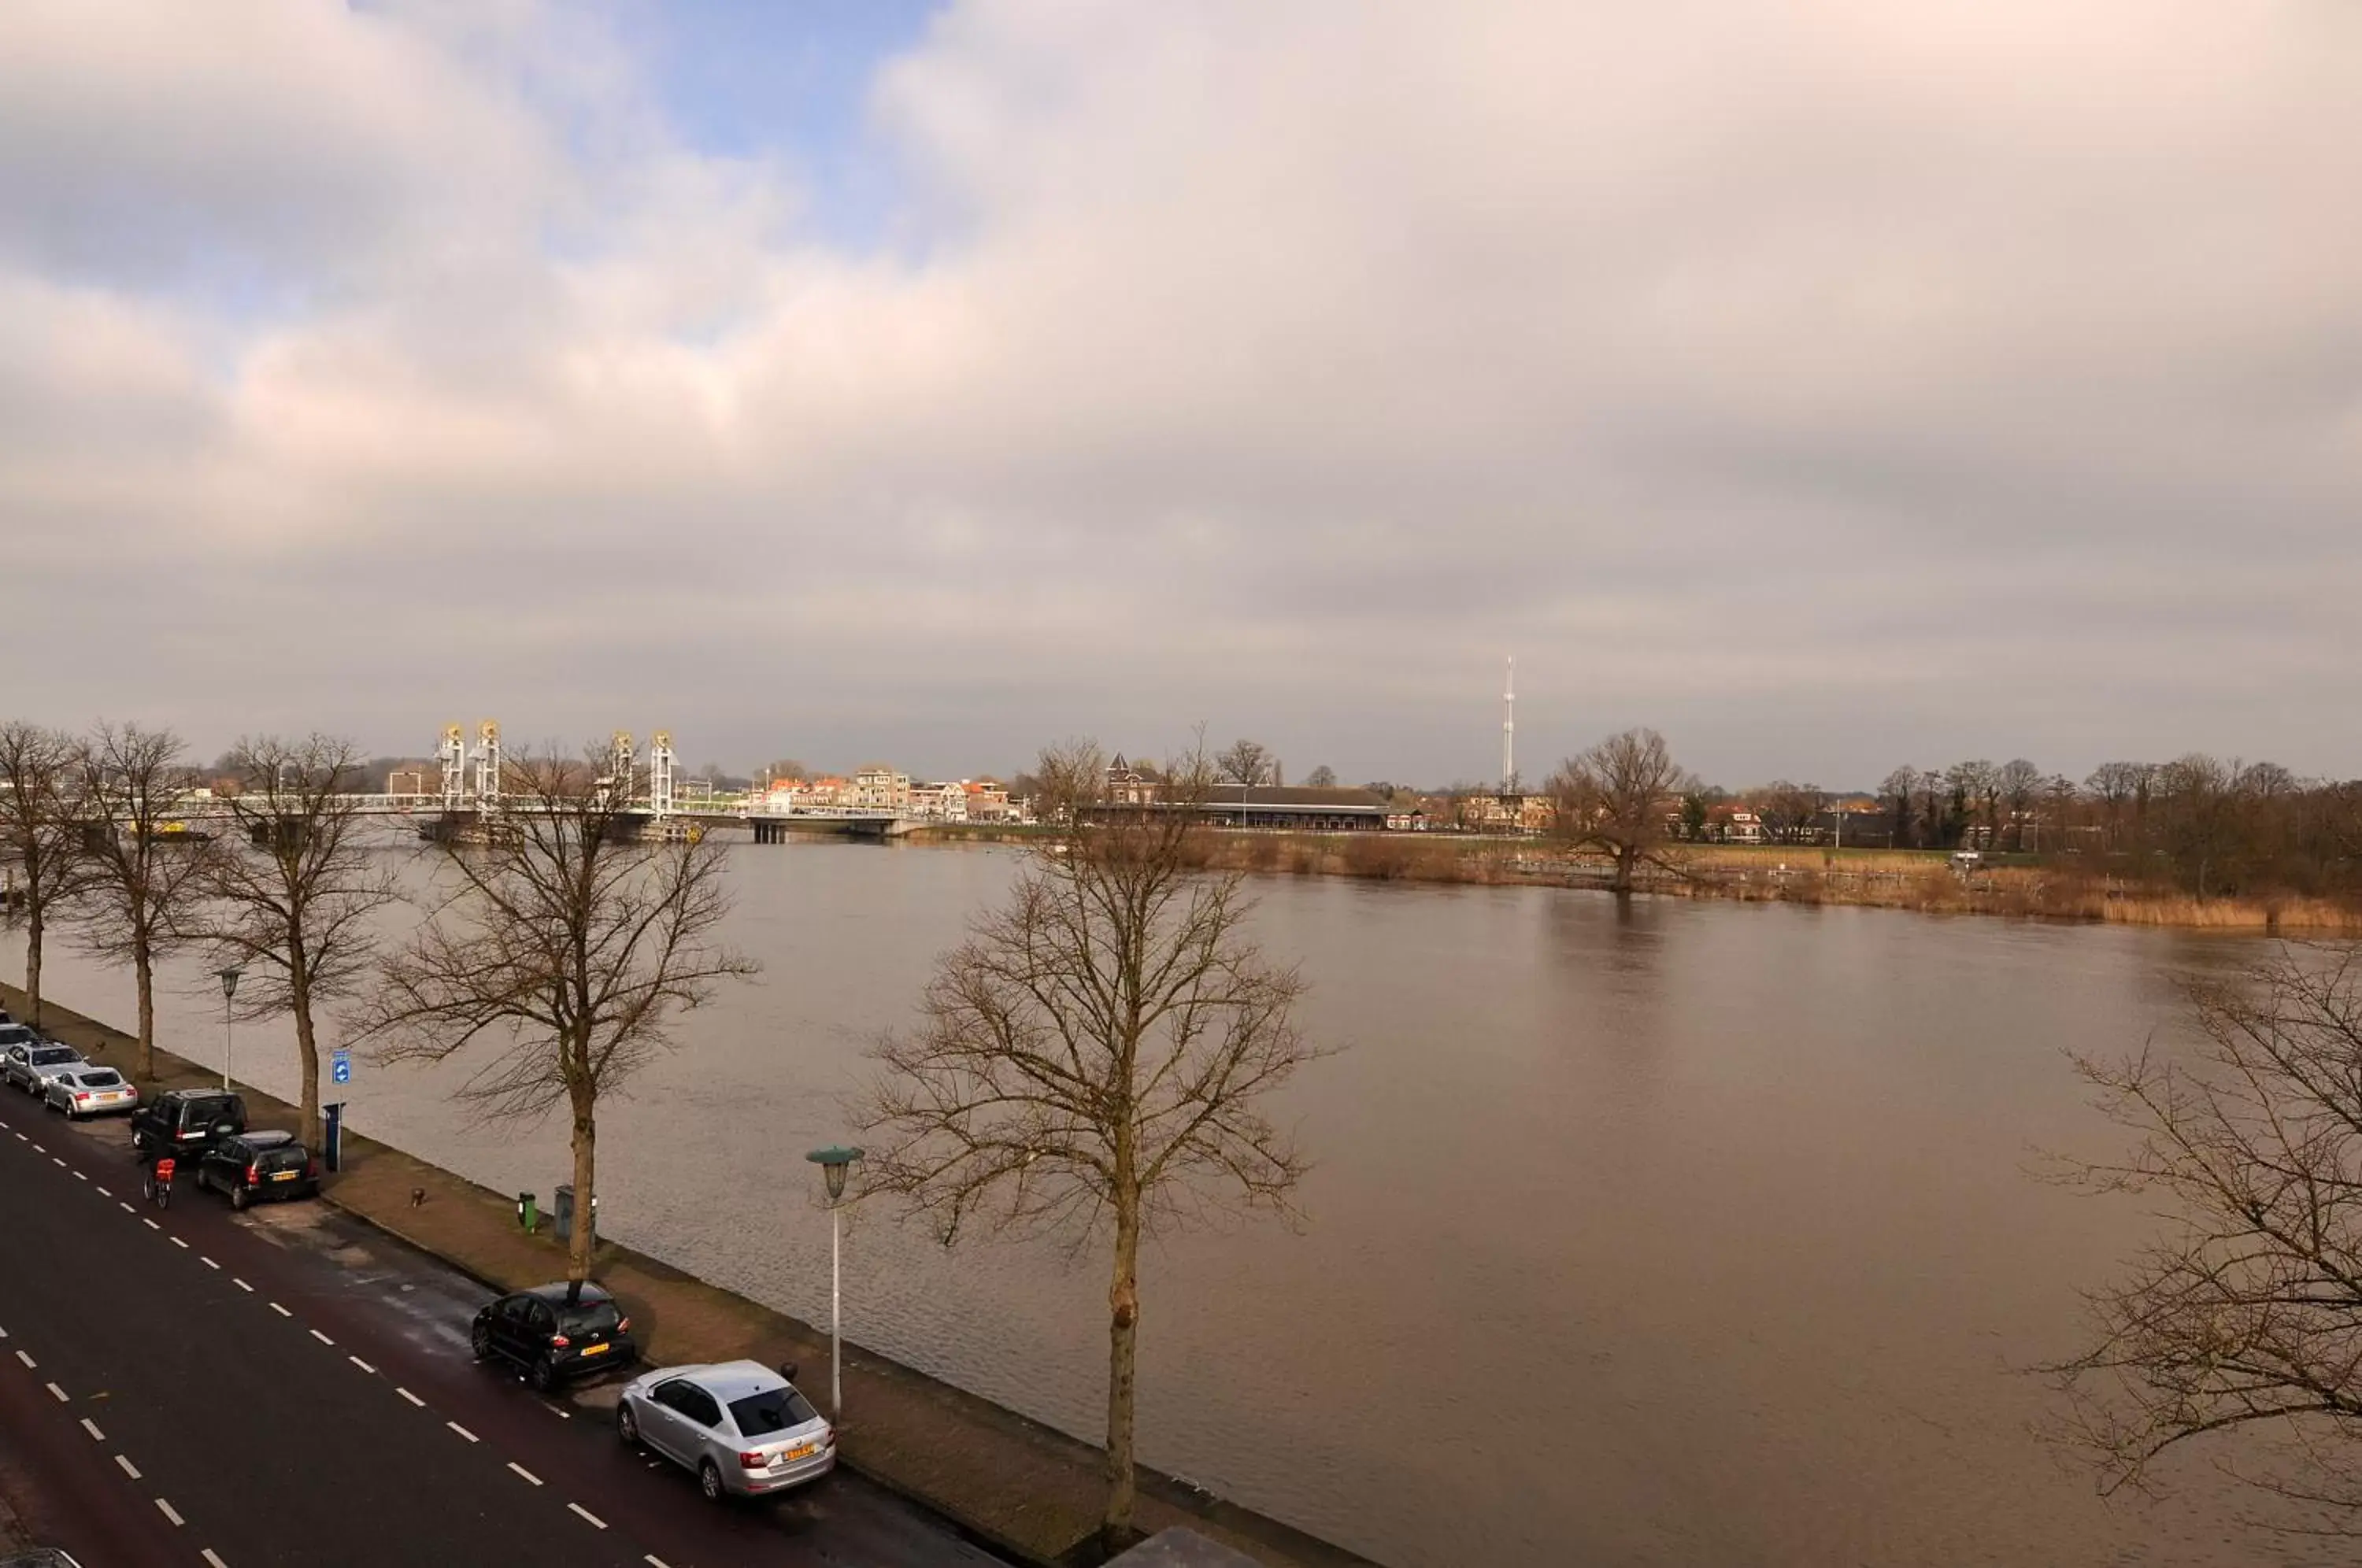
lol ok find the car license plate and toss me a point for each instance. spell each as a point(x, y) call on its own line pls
point(285, 1175)
point(802, 1451)
point(596, 1350)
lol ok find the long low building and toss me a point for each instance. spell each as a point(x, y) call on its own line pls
point(1278, 806)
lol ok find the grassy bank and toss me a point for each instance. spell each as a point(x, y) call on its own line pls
point(1879, 878)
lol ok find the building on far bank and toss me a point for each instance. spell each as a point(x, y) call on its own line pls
point(939, 802)
point(877, 788)
point(1127, 785)
point(1281, 807)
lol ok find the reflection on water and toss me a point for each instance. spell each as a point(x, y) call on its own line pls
point(1658, 1232)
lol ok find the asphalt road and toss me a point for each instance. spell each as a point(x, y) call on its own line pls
point(189, 1386)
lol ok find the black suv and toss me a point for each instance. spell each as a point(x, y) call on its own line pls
point(185, 1123)
point(552, 1336)
point(255, 1165)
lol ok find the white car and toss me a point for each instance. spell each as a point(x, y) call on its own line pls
point(741, 1426)
point(85, 1090)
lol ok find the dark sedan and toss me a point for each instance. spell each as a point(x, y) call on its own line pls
point(252, 1167)
point(554, 1333)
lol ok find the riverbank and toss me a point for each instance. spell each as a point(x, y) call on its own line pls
point(1919, 880)
point(1020, 1486)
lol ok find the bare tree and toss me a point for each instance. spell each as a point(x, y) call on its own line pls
point(1322, 777)
point(1095, 1057)
point(147, 865)
point(788, 767)
point(1788, 810)
point(1246, 762)
point(2115, 785)
point(1973, 786)
point(292, 908)
point(2017, 785)
point(1898, 790)
point(568, 946)
point(41, 834)
point(2248, 1311)
point(1614, 798)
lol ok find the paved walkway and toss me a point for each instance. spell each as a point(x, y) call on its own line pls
point(1029, 1490)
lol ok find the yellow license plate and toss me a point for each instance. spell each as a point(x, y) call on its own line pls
point(793, 1455)
point(285, 1175)
point(596, 1350)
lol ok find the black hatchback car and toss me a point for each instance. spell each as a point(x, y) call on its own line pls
point(554, 1333)
point(184, 1123)
point(252, 1167)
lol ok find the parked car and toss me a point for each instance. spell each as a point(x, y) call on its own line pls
point(741, 1426)
point(90, 1091)
point(185, 1122)
point(30, 1064)
point(252, 1167)
point(554, 1333)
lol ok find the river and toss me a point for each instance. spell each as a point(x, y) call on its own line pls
point(1670, 1232)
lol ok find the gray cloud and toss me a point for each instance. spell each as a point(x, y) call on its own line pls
point(1830, 385)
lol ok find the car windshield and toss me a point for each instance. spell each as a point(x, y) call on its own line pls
point(15, 1034)
point(105, 1077)
point(773, 1410)
point(53, 1055)
point(585, 1317)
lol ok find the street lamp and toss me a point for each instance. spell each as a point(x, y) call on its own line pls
point(229, 989)
point(833, 1162)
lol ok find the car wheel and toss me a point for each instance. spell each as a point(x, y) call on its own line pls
point(709, 1478)
point(239, 1197)
point(627, 1425)
point(544, 1375)
point(480, 1341)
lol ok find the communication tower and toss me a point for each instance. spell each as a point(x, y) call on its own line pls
point(1509, 729)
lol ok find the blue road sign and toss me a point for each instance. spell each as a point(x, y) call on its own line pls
point(340, 1066)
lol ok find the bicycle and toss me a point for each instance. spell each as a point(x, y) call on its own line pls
point(158, 1185)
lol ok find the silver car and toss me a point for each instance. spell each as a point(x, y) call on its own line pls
point(29, 1065)
point(85, 1090)
point(741, 1426)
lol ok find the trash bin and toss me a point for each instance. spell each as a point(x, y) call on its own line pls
point(528, 1215)
point(562, 1210)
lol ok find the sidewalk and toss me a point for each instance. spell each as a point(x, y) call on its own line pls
point(1026, 1489)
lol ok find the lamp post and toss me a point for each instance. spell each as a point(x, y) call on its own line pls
point(229, 989)
point(833, 1162)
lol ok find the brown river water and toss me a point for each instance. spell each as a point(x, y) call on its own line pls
point(1674, 1232)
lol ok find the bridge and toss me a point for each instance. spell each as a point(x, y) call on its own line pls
point(471, 796)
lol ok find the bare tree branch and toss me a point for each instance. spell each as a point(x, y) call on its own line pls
point(147, 866)
point(42, 837)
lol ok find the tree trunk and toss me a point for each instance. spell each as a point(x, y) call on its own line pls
point(1123, 1339)
point(1627, 860)
point(586, 1141)
point(143, 965)
point(33, 926)
point(307, 1049)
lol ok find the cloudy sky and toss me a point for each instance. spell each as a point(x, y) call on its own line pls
point(1829, 384)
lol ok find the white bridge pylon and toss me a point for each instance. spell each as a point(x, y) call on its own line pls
point(482, 794)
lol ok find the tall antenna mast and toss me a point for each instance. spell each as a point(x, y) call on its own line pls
point(1509, 729)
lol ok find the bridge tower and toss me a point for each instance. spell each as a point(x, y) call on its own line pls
point(660, 773)
point(453, 755)
point(621, 776)
point(488, 766)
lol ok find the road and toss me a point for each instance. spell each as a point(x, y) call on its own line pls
point(191, 1386)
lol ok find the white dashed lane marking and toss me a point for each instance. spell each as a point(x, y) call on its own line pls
point(592, 1519)
point(281, 1310)
point(151, 1224)
point(363, 1364)
point(461, 1430)
point(241, 1285)
point(179, 1243)
point(322, 1337)
point(92, 1428)
point(125, 1207)
point(524, 1472)
point(79, 1177)
point(100, 1190)
point(412, 1398)
point(169, 1512)
point(57, 1162)
point(129, 1468)
point(58, 1393)
point(29, 1361)
point(211, 1561)
point(206, 1261)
